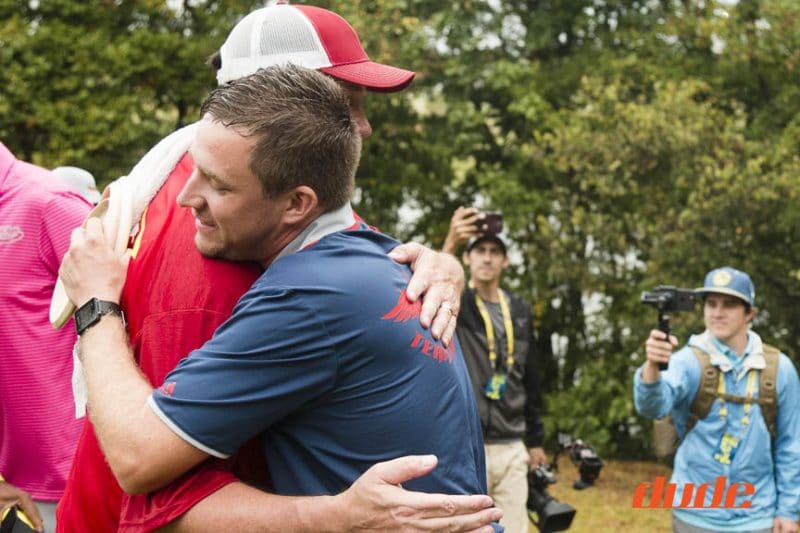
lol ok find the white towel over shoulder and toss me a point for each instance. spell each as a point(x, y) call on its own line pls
point(128, 198)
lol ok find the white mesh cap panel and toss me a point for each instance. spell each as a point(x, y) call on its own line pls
point(274, 35)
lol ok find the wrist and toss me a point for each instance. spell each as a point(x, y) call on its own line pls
point(450, 245)
point(326, 515)
point(91, 312)
point(650, 372)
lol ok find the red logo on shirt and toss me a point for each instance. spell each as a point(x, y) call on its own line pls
point(404, 310)
point(167, 388)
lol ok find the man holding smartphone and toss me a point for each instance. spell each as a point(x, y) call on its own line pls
point(495, 331)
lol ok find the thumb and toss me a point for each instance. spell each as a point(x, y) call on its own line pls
point(402, 253)
point(402, 469)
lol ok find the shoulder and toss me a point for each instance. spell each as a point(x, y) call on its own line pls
point(787, 372)
point(358, 257)
point(41, 188)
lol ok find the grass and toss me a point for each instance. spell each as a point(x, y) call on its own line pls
point(607, 506)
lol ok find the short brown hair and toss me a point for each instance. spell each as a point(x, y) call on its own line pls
point(305, 132)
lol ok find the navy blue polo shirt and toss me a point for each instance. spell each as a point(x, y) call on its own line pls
point(326, 358)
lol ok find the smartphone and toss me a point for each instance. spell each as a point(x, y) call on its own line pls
point(492, 222)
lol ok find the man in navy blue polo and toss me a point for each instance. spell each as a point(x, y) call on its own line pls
point(323, 355)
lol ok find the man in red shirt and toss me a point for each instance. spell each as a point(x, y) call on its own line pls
point(174, 299)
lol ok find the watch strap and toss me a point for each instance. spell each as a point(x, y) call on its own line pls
point(92, 311)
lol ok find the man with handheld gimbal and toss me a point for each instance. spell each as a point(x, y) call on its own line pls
point(735, 438)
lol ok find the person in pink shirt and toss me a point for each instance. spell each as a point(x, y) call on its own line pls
point(38, 429)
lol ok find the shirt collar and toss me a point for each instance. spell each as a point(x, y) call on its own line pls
point(720, 354)
point(337, 220)
point(7, 161)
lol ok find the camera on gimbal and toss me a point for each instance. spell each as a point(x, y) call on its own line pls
point(582, 456)
point(551, 514)
point(667, 299)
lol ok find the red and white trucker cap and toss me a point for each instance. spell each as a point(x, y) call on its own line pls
point(309, 37)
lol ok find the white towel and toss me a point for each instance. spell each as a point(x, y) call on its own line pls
point(128, 198)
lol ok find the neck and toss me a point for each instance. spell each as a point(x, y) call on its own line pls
point(305, 232)
point(487, 290)
point(738, 343)
point(279, 243)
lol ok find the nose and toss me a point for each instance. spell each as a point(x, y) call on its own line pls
point(188, 196)
point(362, 122)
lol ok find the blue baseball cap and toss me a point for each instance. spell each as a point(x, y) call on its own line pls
point(728, 280)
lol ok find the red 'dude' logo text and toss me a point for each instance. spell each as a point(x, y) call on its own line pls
point(693, 497)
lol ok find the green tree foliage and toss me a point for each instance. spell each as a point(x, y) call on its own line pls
point(628, 142)
point(95, 83)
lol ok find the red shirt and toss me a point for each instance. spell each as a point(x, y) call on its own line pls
point(173, 300)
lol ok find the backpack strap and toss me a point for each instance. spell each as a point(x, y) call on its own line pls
point(767, 389)
point(706, 389)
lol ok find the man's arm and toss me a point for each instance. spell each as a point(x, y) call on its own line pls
point(463, 225)
point(658, 350)
point(656, 393)
point(534, 429)
point(118, 392)
point(787, 449)
point(375, 502)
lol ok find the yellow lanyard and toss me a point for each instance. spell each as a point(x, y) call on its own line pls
point(751, 385)
point(487, 323)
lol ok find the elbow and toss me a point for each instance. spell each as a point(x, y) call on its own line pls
point(135, 474)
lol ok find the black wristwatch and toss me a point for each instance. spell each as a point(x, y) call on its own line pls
point(92, 311)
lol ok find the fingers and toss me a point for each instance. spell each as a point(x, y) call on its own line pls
point(10, 496)
point(659, 350)
point(442, 300)
point(407, 253)
point(440, 278)
point(424, 270)
point(465, 222)
point(659, 336)
point(91, 267)
point(32, 512)
point(478, 521)
point(441, 304)
point(449, 331)
point(402, 469)
point(463, 225)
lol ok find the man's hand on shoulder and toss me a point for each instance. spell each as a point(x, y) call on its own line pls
point(438, 279)
point(377, 502)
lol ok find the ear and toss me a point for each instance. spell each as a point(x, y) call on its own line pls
point(301, 204)
point(465, 257)
point(505, 261)
point(752, 314)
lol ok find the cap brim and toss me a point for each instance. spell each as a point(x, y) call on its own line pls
point(93, 196)
point(487, 237)
point(373, 76)
point(722, 290)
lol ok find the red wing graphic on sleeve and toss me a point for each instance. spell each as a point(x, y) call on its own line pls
point(404, 310)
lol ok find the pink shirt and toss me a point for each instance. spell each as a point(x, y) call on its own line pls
point(38, 429)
